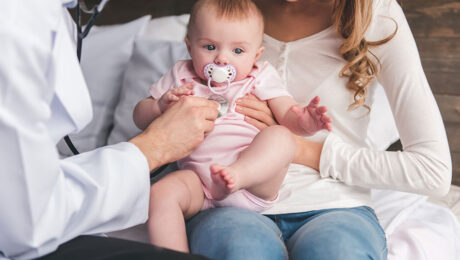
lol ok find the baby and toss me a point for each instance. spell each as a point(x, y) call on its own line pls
point(236, 165)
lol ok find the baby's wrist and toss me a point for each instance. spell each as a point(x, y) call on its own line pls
point(156, 108)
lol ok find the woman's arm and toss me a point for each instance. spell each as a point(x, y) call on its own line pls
point(424, 166)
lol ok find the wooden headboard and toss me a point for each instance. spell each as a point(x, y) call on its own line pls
point(435, 25)
point(122, 11)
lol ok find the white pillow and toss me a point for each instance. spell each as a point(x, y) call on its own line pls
point(168, 28)
point(105, 55)
point(150, 60)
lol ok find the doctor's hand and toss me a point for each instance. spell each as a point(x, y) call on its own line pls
point(178, 131)
point(173, 95)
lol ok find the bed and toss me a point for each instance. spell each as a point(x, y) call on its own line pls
point(121, 61)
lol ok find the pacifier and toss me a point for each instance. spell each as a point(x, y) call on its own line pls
point(219, 74)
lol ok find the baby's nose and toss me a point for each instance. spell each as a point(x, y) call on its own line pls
point(221, 60)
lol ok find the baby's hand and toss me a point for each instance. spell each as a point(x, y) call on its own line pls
point(313, 118)
point(173, 95)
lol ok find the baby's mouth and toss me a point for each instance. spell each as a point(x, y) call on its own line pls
point(217, 84)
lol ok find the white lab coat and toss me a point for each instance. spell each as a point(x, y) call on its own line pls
point(46, 201)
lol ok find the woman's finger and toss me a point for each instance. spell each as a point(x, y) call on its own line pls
point(258, 115)
point(259, 125)
point(251, 101)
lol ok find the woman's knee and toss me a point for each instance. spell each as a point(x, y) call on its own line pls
point(233, 233)
point(342, 234)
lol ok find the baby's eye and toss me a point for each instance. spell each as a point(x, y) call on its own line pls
point(238, 51)
point(210, 47)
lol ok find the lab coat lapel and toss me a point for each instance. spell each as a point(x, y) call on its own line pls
point(70, 85)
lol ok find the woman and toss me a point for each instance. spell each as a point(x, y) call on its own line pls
point(339, 50)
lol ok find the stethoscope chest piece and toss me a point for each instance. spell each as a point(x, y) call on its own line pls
point(223, 104)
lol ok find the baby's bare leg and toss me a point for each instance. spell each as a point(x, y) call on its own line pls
point(175, 196)
point(260, 168)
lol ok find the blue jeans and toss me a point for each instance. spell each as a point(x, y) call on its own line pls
point(234, 233)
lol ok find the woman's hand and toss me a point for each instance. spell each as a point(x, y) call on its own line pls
point(178, 131)
point(256, 111)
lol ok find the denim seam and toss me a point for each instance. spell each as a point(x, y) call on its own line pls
point(278, 223)
point(384, 250)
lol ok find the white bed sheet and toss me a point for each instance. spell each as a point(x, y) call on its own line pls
point(417, 227)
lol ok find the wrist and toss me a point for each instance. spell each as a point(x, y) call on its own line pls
point(308, 153)
point(155, 157)
point(156, 108)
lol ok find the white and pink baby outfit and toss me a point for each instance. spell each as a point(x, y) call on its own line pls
point(231, 134)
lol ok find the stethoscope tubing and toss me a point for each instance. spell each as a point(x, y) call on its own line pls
point(80, 36)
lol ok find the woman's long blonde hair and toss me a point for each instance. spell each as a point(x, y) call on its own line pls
point(352, 18)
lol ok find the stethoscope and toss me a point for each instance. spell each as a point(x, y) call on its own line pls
point(81, 34)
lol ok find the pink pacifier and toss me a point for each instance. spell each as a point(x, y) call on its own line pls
point(219, 74)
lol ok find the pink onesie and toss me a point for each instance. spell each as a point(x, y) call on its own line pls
point(231, 134)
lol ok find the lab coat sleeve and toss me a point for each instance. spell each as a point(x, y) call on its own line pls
point(424, 166)
point(45, 201)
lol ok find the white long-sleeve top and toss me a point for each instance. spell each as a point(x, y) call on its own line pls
point(352, 159)
point(46, 201)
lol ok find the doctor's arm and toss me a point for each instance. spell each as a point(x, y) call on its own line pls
point(46, 201)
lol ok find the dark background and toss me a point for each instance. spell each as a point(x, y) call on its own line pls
point(434, 23)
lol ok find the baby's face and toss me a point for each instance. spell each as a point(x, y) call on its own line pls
point(223, 41)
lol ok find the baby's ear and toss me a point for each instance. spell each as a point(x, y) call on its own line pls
point(260, 52)
point(187, 42)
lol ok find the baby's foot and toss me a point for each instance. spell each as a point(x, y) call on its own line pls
point(224, 179)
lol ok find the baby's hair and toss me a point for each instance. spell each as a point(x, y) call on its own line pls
point(228, 9)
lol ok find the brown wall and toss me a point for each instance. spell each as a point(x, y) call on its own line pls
point(434, 23)
point(436, 28)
